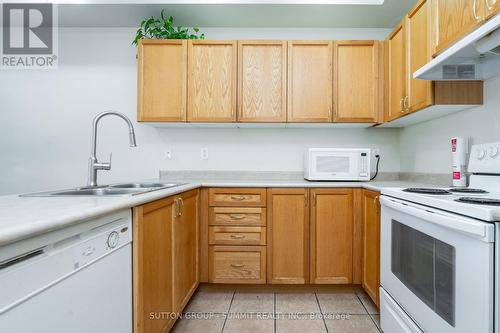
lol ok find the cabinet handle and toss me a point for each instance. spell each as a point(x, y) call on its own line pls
point(237, 236)
point(181, 210)
point(238, 197)
point(176, 208)
point(237, 265)
point(474, 10)
point(491, 5)
point(237, 216)
point(401, 109)
point(375, 203)
point(406, 106)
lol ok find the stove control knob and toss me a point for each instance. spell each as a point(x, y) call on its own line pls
point(493, 152)
point(481, 153)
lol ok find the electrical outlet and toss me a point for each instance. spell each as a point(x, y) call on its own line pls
point(168, 154)
point(204, 153)
point(375, 152)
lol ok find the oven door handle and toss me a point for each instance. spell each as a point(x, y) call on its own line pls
point(481, 230)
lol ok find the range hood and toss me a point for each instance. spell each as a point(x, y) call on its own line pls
point(474, 57)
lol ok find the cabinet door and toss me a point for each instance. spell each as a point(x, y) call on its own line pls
point(262, 81)
point(152, 266)
point(492, 7)
point(162, 80)
point(332, 222)
point(212, 81)
point(356, 81)
point(454, 19)
point(310, 81)
point(371, 245)
point(288, 236)
point(396, 73)
point(185, 248)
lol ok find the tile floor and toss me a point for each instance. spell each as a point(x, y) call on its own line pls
point(216, 309)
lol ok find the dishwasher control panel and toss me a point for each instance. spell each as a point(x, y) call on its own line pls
point(103, 242)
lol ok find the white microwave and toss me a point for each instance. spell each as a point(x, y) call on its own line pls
point(337, 164)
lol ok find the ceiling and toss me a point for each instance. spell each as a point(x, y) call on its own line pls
point(386, 15)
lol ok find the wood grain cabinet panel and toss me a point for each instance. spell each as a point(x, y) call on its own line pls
point(162, 80)
point(222, 235)
point(310, 81)
point(237, 216)
point(332, 227)
point(152, 266)
point(252, 197)
point(212, 81)
point(185, 249)
point(418, 30)
point(288, 236)
point(237, 264)
point(396, 77)
point(371, 245)
point(455, 18)
point(357, 81)
point(262, 81)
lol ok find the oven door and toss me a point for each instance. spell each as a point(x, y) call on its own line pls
point(438, 267)
point(334, 165)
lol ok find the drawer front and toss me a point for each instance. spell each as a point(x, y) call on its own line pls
point(251, 197)
point(237, 236)
point(237, 216)
point(237, 264)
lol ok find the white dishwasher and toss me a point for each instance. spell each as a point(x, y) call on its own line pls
point(78, 279)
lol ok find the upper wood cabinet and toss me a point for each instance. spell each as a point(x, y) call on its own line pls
point(357, 81)
point(371, 245)
point(152, 266)
point(332, 226)
point(455, 18)
point(418, 29)
point(185, 248)
point(492, 8)
point(212, 81)
point(162, 80)
point(262, 81)
point(395, 83)
point(287, 236)
point(310, 81)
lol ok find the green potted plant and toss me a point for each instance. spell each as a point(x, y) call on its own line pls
point(162, 28)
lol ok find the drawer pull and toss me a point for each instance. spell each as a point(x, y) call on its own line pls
point(238, 197)
point(237, 265)
point(237, 236)
point(237, 216)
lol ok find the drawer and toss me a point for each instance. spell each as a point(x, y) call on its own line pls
point(234, 216)
point(252, 197)
point(237, 235)
point(237, 264)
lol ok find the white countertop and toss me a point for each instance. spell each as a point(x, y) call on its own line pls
point(24, 217)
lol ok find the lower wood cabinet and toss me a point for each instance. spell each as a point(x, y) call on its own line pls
point(332, 226)
point(371, 245)
point(288, 236)
point(165, 260)
point(237, 264)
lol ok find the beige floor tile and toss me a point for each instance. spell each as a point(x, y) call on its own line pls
point(249, 326)
point(352, 324)
point(253, 303)
point(368, 304)
point(340, 303)
point(210, 302)
point(376, 319)
point(300, 325)
point(212, 325)
point(296, 303)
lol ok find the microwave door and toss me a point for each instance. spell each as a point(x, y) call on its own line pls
point(335, 165)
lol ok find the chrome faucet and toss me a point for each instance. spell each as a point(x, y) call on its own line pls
point(94, 164)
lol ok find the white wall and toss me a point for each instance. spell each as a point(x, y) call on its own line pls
point(45, 119)
point(426, 148)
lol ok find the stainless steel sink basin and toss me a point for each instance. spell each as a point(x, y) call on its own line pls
point(115, 190)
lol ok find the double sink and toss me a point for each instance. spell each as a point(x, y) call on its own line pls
point(125, 189)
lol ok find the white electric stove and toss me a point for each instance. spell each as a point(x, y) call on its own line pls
point(439, 260)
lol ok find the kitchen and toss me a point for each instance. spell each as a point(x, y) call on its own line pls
point(240, 196)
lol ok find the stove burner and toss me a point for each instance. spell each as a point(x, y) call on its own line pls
point(468, 190)
point(435, 191)
point(479, 201)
